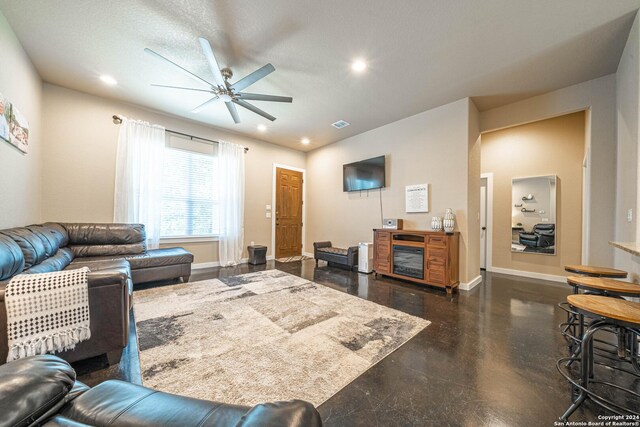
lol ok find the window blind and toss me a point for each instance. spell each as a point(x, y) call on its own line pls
point(189, 200)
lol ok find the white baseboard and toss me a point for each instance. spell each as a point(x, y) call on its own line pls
point(470, 285)
point(529, 274)
point(309, 254)
point(201, 265)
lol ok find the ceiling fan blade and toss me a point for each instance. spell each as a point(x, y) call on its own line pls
point(259, 97)
point(184, 70)
point(213, 64)
point(253, 77)
point(233, 111)
point(256, 110)
point(183, 88)
point(200, 107)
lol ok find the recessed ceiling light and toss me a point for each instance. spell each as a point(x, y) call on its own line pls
point(108, 80)
point(358, 65)
point(305, 141)
point(262, 128)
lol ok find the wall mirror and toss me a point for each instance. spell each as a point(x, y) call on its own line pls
point(533, 215)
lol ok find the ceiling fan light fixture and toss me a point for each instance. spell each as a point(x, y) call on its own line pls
point(228, 93)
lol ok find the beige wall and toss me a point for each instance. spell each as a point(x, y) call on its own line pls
point(79, 168)
point(473, 192)
point(548, 147)
point(20, 183)
point(599, 97)
point(430, 147)
point(628, 110)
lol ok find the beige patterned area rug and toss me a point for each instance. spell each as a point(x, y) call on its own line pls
point(261, 337)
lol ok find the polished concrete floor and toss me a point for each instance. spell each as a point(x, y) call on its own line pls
point(488, 358)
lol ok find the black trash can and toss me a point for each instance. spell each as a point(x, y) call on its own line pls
point(257, 254)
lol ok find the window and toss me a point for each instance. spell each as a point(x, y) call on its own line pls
point(189, 199)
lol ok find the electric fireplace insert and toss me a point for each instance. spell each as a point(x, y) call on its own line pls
point(408, 261)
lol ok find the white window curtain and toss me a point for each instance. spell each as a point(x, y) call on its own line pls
point(138, 187)
point(230, 180)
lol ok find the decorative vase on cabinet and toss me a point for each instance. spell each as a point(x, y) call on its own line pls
point(436, 223)
point(449, 221)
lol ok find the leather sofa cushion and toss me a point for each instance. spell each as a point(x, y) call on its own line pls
point(30, 244)
point(103, 272)
point(105, 234)
point(60, 421)
point(117, 403)
point(95, 240)
point(52, 235)
point(107, 250)
point(35, 386)
point(293, 412)
point(58, 262)
point(11, 258)
point(151, 258)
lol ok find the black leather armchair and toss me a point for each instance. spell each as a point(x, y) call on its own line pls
point(541, 236)
point(43, 391)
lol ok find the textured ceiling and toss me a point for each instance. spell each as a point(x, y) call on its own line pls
point(421, 54)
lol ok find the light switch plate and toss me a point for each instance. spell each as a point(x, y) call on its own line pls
point(267, 214)
point(630, 215)
point(268, 207)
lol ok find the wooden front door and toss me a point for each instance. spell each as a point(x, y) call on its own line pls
point(288, 213)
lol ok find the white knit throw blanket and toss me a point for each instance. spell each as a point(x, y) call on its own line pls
point(47, 312)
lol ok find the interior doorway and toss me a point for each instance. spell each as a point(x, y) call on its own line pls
point(486, 221)
point(483, 223)
point(288, 218)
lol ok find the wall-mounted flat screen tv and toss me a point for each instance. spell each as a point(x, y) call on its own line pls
point(364, 175)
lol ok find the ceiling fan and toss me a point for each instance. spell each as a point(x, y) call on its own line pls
point(224, 91)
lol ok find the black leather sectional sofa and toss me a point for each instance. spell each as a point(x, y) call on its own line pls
point(42, 390)
point(116, 255)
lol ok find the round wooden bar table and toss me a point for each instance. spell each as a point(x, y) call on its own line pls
point(603, 286)
point(605, 312)
point(589, 270)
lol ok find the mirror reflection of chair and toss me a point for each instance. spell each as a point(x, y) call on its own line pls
point(541, 236)
point(533, 214)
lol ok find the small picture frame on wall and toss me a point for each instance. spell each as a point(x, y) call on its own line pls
point(14, 127)
point(5, 119)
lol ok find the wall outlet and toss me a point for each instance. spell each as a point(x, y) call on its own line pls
point(267, 214)
point(253, 243)
point(630, 215)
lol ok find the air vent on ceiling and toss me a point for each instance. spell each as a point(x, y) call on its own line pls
point(340, 124)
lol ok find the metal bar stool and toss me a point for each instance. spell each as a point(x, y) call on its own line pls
point(589, 271)
point(606, 312)
point(573, 329)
